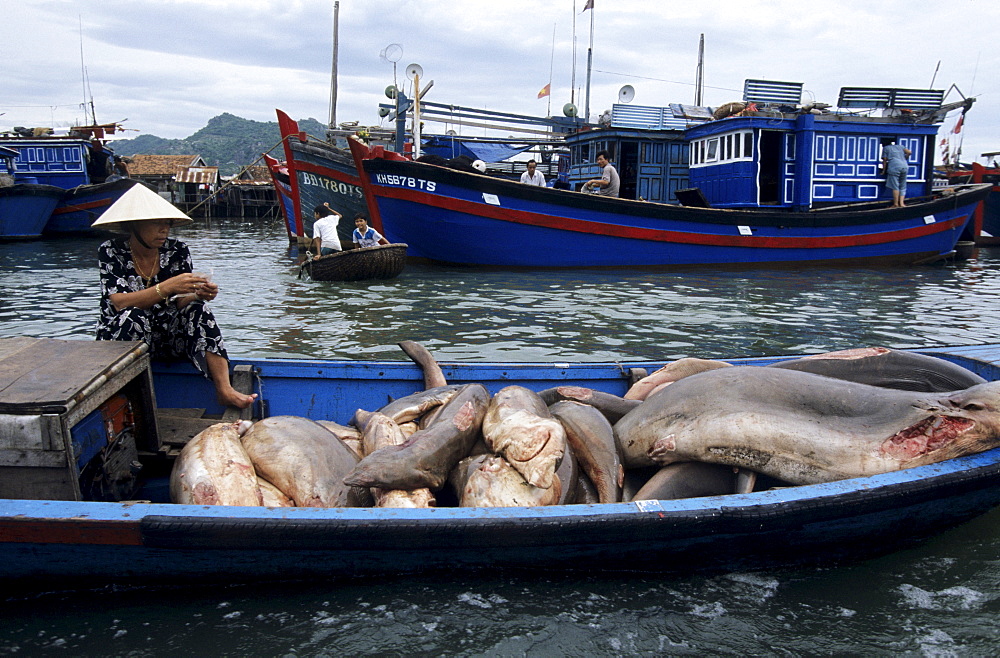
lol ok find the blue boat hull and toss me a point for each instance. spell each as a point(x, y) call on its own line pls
point(25, 209)
point(456, 217)
point(71, 544)
point(80, 206)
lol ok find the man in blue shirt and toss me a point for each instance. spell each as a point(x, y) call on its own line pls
point(895, 166)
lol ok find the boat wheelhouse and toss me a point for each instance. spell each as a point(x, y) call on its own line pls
point(811, 157)
point(648, 147)
point(769, 150)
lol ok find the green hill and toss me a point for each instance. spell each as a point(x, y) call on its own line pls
point(228, 142)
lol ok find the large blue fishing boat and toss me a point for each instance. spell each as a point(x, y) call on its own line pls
point(768, 181)
point(97, 432)
point(68, 162)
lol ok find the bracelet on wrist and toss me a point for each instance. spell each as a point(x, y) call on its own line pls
point(162, 296)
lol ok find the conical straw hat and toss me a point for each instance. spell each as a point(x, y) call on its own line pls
point(137, 204)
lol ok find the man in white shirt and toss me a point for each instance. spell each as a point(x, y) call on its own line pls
point(531, 176)
point(325, 238)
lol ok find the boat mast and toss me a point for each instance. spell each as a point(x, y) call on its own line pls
point(572, 82)
point(333, 72)
point(552, 61)
point(699, 76)
point(590, 59)
point(83, 78)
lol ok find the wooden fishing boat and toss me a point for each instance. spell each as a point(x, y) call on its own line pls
point(779, 182)
point(80, 206)
point(64, 541)
point(62, 161)
point(451, 216)
point(315, 172)
point(384, 261)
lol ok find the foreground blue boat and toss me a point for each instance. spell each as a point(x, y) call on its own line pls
point(74, 543)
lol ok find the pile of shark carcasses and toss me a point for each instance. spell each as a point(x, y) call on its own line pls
point(693, 428)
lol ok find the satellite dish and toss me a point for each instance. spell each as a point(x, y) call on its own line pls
point(391, 53)
point(451, 133)
point(414, 70)
point(390, 91)
point(383, 111)
point(626, 94)
point(569, 110)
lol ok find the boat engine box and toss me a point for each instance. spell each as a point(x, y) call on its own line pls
point(74, 418)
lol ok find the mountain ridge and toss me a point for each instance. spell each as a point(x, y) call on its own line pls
point(227, 141)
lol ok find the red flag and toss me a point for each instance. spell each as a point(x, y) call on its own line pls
point(589, 5)
point(958, 124)
point(545, 91)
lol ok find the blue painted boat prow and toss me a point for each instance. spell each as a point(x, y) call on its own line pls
point(80, 206)
point(25, 209)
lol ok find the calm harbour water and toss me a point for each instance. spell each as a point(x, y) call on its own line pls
point(939, 599)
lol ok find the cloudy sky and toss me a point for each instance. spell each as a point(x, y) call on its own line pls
point(168, 66)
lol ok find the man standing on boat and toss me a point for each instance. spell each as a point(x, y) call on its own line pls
point(895, 168)
point(532, 176)
point(608, 183)
point(325, 238)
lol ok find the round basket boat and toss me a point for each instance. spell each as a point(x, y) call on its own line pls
point(384, 261)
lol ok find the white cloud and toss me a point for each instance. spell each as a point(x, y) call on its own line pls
point(169, 66)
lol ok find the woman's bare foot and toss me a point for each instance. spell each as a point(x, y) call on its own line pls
point(230, 397)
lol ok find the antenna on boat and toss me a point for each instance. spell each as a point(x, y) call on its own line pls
point(699, 76)
point(413, 72)
point(572, 83)
point(392, 53)
point(86, 84)
point(934, 77)
point(626, 94)
point(333, 68)
point(590, 59)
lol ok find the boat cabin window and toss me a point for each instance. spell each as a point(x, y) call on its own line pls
point(725, 148)
point(712, 153)
point(606, 146)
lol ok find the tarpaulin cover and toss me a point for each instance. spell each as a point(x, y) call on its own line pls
point(454, 147)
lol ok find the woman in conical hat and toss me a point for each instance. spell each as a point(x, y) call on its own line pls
point(149, 291)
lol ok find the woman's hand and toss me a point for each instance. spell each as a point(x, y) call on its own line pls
point(208, 291)
point(185, 284)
